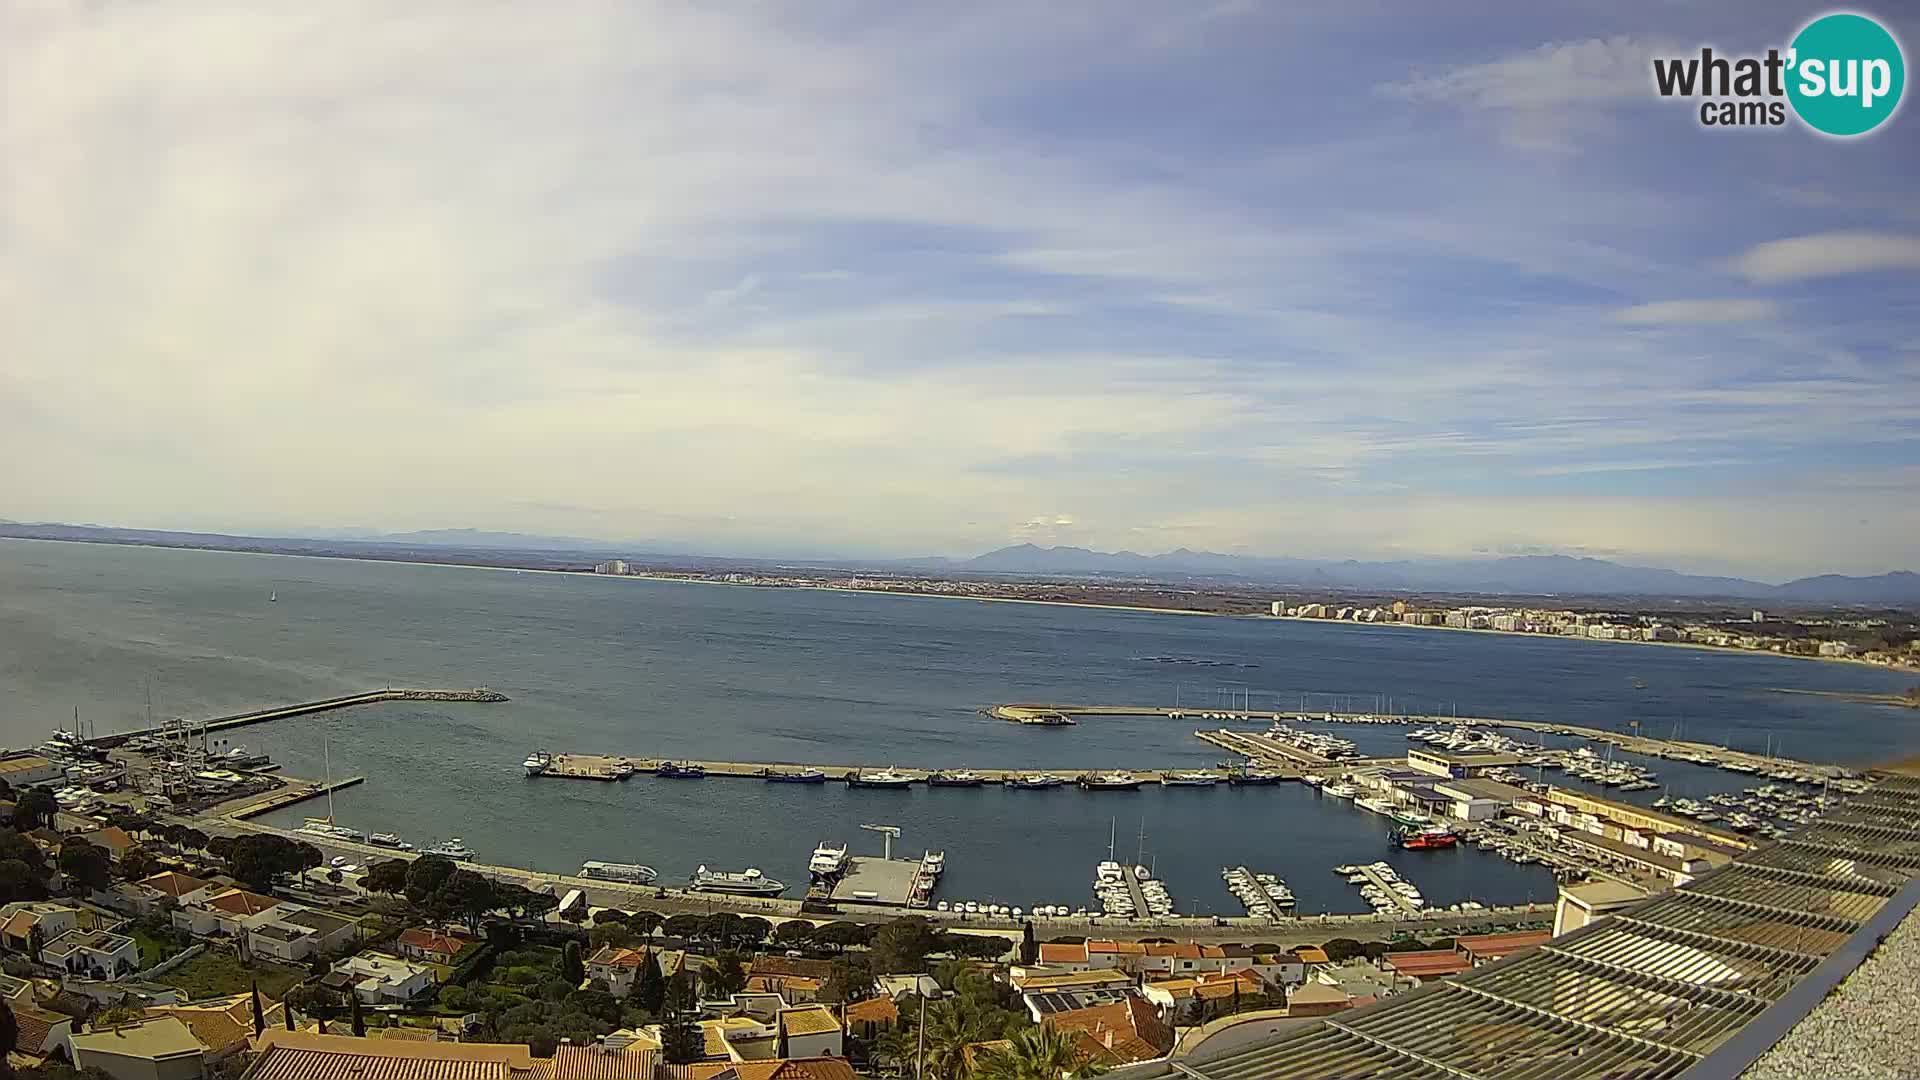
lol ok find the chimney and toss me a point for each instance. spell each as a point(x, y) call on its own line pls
point(1108, 1038)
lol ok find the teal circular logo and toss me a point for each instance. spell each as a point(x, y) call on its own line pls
point(1846, 74)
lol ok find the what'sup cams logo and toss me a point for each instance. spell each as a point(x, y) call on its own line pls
point(1842, 76)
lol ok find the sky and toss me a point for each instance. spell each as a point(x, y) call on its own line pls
point(1367, 279)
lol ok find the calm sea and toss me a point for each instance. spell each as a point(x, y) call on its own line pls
point(647, 668)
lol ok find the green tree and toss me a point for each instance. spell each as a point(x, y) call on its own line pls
point(645, 923)
point(953, 1025)
point(609, 915)
point(849, 979)
point(425, 875)
point(1029, 948)
point(18, 881)
point(903, 944)
point(572, 971)
point(34, 809)
point(684, 927)
point(727, 976)
point(616, 934)
point(9, 1031)
point(794, 934)
point(466, 894)
point(15, 846)
point(137, 863)
point(259, 1014)
point(85, 865)
point(358, 1021)
point(387, 876)
point(1036, 1053)
point(681, 1040)
point(649, 986)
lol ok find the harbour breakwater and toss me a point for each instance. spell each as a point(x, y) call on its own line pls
point(281, 712)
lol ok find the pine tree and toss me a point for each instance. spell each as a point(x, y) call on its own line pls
point(649, 987)
point(359, 1022)
point(1029, 948)
point(571, 969)
point(681, 1040)
point(259, 1017)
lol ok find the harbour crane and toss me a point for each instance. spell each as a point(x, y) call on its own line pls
point(889, 832)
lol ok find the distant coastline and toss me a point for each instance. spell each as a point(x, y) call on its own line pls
point(702, 579)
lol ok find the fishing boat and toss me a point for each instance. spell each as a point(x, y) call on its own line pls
point(1340, 790)
point(451, 848)
point(1188, 778)
point(1254, 777)
point(537, 762)
point(1028, 781)
point(955, 778)
point(748, 882)
point(881, 778)
point(1110, 781)
point(1409, 819)
point(795, 776)
point(680, 770)
point(1427, 839)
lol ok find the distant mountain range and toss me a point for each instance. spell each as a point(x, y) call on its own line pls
point(1522, 575)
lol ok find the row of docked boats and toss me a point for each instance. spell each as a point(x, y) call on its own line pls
point(1264, 896)
point(1318, 743)
point(327, 829)
point(1382, 887)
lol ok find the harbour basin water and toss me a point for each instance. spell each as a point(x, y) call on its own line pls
point(649, 668)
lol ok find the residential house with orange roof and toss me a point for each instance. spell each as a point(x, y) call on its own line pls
point(1425, 965)
point(42, 1034)
point(821, 1068)
point(1486, 948)
point(432, 944)
point(223, 1025)
point(1122, 1033)
point(798, 980)
point(301, 1055)
point(1062, 956)
point(19, 920)
point(809, 1031)
point(1216, 992)
point(116, 840)
point(872, 1018)
point(1316, 998)
point(211, 912)
point(619, 967)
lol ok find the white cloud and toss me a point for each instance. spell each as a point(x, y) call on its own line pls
point(1695, 312)
point(1829, 254)
point(1594, 71)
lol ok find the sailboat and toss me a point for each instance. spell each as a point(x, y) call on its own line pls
point(273, 598)
point(326, 826)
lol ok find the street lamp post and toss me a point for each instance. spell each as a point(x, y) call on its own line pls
point(928, 988)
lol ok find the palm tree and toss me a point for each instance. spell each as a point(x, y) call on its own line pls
point(951, 1026)
point(894, 1050)
point(1036, 1053)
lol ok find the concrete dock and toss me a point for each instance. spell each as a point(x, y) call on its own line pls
point(1406, 906)
point(281, 712)
point(290, 796)
point(588, 764)
point(874, 880)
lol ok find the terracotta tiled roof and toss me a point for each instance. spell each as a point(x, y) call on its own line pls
point(221, 1022)
point(34, 1026)
point(1122, 948)
point(1117, 1034)
point(1312, 954)
point(21, 924)
point(1063, 954)
point(817, 1068)
point(593, 1063)
point(174, 884)
point(768, 964)
point(1427, 963)
point(290, 1055)
point(772, 984)
point(241, 902)
point(113, 838)
point(430, 940)
point(879, 1010)
point(811, 1020)
point(1495, 946)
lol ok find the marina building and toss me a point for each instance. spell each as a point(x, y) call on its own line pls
point(1457, 766)
point(25, 770)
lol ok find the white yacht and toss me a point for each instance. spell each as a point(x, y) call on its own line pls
point(828, 859)
point(537, 762)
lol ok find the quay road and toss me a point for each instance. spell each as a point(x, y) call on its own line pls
point(281, 712)
point(1636, 744)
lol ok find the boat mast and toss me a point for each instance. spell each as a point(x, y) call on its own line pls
point(326, 751)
